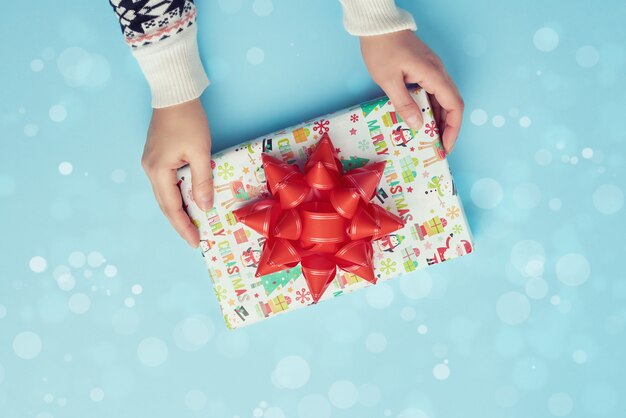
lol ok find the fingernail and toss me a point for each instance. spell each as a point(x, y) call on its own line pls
point(192, 245)
point(413, 122)
point(206, 204)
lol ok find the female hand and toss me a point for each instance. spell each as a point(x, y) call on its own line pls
point(179, 135)
point(398, 58)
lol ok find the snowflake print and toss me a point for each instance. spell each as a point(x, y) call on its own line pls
point(354, 118)
point(363, 145)
point(220, 292)
point(431, 129)
point(453, 212)
point(388, 266)
point(226, 171)
point(303, 295)
point(321, 126)
point(457, 229)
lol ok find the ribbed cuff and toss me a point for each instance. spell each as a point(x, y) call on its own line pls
point(173, 68)
point(375, 17)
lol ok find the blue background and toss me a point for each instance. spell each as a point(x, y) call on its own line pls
point(106, 312)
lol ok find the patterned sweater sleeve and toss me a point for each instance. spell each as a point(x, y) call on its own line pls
point(162, 36)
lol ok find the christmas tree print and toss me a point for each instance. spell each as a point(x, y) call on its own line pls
point(353, 162)
point(272, 281)
point(368, 107)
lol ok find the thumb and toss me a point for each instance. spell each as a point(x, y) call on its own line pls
point(404, 104)
point(202, 180)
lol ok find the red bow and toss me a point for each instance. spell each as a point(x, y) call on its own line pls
point(322, 219)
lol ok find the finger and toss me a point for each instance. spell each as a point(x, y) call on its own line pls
point(170, 201)
point(449, 98)
point(402, 101)
point(201, 180)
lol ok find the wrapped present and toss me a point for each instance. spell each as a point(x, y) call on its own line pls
point(327, 207)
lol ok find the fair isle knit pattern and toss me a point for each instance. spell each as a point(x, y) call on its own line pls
point(144, 22)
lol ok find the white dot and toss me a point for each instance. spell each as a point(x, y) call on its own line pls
point(343, 394)
point(478, 117)
point(524, 122)
point(560, 404)
point(48, 398)
point(195, 400)
point(96, 394)
point(546, 39)
point(79, 303)
point(65, 168)
point(379, 296)
point(555, 300)
point(555, 204)
point(262, 7)
point(579, 356)
point(513, 308)
point(95, 259)
point(573, 160)
point(67, 358)
point(3, 311)
point(130, 302)
point(66, 282)
point(608, 199)
point(257, 412)
point(255, 55)
point(416, 286)
point(528, 257)
point(587, 153)
point(543, 157)
point(136, 289)
point(486, 193)
point(118, 175)
point(38, 264)
point(110, 270)
point(587, 56)
point(76, 259)
point(441, 371)
point(498, 121)
point(536, 288)
point(152, 351)
point(422, 329)
point(30, 129)
point(376, 342)
point(57, 113)
point(36, 65)
point(291, 372)
point(572, 269)
point(27, 345)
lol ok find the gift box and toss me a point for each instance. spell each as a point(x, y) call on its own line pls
point(414, 192)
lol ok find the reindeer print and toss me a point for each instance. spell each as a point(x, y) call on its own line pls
point(241, 192)
point(436, 147)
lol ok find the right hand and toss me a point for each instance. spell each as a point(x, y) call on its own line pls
point(179, 135)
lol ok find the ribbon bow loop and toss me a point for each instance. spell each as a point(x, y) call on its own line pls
point(322, 219)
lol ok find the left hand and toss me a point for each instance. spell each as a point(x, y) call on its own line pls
point(397, 58)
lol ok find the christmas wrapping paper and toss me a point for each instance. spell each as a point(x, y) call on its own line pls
point(417, 185)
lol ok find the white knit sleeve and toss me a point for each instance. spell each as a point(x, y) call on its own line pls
point(162, 36)
point(375, 17)
point(173, 69)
